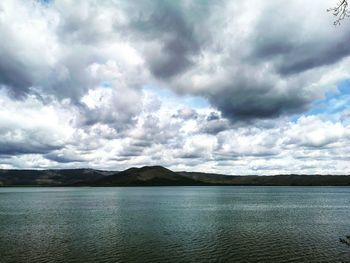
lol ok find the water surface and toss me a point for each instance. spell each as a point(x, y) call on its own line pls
point(174, 224)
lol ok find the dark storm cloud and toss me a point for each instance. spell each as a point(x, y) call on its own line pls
point(15, 140)
point(294, 54)
point(142, 143)
point(213, 116)
point(116, 119)
point(166, 23)
point(71, 79)
point(14, 75)
point(26, 147)
point(190, 156)
point(56, 157)
point(267, 72)
point(215, 126)
point(248, 103)
point(309, 57)
point(180, 41)
point(131, 151)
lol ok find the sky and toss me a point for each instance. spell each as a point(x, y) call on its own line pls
point(236, 87)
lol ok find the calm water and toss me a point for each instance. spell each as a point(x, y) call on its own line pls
point(174, 224)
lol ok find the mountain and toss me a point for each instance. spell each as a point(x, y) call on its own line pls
point(157, 176)
point(145, 176)
point(52, 177)
point(272, 180)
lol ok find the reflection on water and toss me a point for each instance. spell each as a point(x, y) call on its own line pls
point(174, 224)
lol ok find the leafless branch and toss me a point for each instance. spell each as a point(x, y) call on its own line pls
point(341, 11)
point(345, 240)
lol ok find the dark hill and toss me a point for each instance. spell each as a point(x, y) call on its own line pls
point(53, 177)
point(272, 180)
point(156, 176)
point(145, 176)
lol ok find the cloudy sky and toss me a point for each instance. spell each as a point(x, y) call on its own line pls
point(237, 87)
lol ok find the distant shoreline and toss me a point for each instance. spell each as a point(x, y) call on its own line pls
point(156, 176)
point(160, 186)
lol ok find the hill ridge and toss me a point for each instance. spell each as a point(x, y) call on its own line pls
point(156, 175)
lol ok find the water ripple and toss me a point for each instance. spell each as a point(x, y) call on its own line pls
point(174, 224)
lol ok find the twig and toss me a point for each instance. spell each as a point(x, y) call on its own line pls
point(345, 241)
point(341, 11)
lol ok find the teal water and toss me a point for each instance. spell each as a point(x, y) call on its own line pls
point(174, 224)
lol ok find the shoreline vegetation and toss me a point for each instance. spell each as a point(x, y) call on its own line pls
point(158, 176)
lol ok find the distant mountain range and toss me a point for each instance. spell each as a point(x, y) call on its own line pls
point(157, 176)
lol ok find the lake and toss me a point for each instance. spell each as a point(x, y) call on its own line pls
point(174, 224)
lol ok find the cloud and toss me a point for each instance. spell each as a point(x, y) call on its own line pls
point(186, 114)
point(27, 45)
point(286, 43)
point(179, 139)
point(30, 127)
point(168, 37)
point(260, 64)
point(313, 132)
point(252, 68)
point(115, 84)
point(62, 49)
point(64, 156)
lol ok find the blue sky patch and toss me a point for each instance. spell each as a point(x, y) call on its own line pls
point(334, 104)
point(165, 94)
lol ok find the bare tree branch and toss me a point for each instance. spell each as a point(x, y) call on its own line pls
point(341, 11)
point(345, 240)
